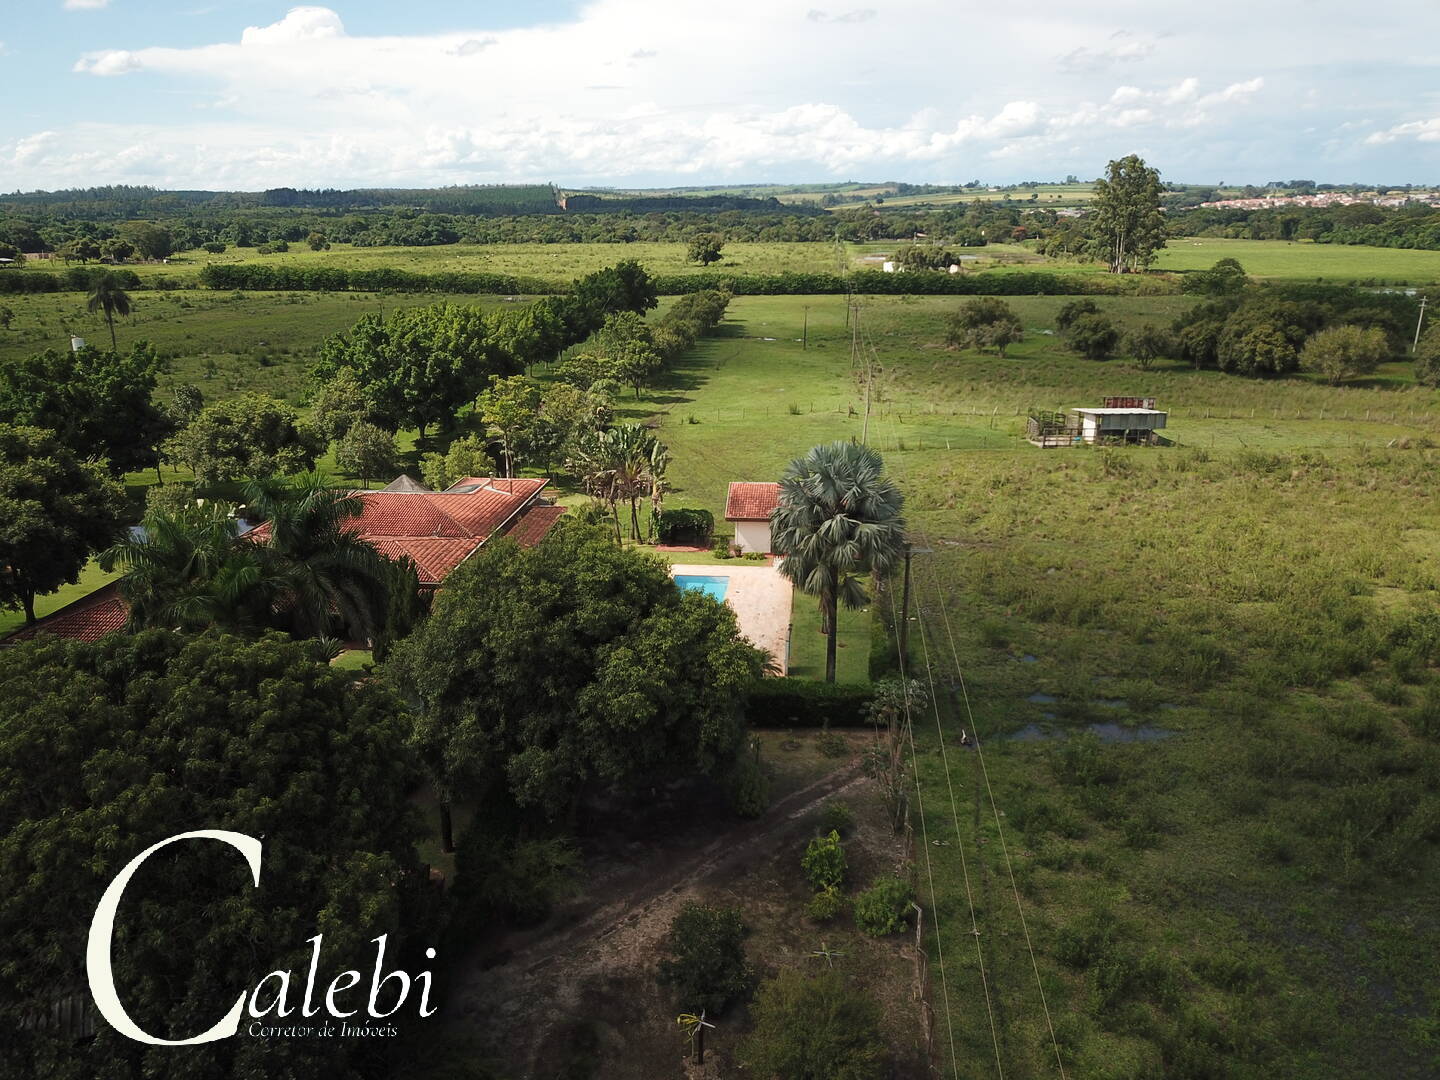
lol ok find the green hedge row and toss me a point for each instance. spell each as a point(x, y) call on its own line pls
point(75, 279)
point(879, 283)
point(801, 703)
point(258, 276)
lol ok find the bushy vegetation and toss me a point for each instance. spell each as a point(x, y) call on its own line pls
point(814, 1028)
point(704, 963)
point(884, 908)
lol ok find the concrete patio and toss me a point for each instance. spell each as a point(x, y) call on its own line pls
point(761, 600)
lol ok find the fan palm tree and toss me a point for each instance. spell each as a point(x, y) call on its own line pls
point(838, 518)
point(106, 295)
point(187, 572)
point(333, 579)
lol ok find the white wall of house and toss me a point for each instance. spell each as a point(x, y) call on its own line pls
point(752, 535)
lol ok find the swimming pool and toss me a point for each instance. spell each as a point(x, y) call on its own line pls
point(711, 586)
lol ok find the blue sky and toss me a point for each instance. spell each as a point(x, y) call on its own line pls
point(251, 94)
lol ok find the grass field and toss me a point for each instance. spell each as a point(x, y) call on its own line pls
point(1249, 894)
point(1248, 897)
point(225, 343)
point(560, 263)
point(1297, 261)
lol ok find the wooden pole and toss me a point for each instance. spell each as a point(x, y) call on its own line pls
point(905, 614)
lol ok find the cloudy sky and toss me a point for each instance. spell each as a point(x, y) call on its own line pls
point(249, 94)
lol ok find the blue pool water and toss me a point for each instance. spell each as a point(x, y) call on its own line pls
point(711, 586)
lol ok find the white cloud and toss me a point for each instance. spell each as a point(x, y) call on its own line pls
point(303, 101)
point(85, 5)
point(301, 24)
point(1128, 50)
point(113, 62)
point(1426, 131)
point(857, 16)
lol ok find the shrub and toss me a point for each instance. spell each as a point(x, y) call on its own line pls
point(825, 905)
point(720, 547)
point(698, 523)
point(824, 862)
point(814, 1029)
point(750, 788)
point(705, 959)
point(832, 744)
point(884, 907)
point(801, 703)
point(1074, 310)
point(836, 817)
point(1093, 337)
point(522, 879)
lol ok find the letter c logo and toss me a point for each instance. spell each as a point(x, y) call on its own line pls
point(102, 929)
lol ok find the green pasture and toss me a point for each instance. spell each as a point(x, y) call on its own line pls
point(1248, 896)
point(224, 343)
point(1301, 261)
point(559, 263)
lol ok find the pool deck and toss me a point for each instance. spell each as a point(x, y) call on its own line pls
point(760, 598)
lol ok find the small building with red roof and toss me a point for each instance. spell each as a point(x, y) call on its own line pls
point(437, 530)
point(749, 506)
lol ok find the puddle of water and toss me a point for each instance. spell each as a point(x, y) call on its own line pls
point(1106, 733)
point(1038, 698)
point(1117, 733)
point(1028, 659)
point(1047, 716)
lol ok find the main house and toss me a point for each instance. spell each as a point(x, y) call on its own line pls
point(438, 530)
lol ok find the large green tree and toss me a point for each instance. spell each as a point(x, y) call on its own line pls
point(96, 401)
point(417, 366)
point(55, 512)
point(109, 748)
point(574, 666)
point(1127, 226)
point(250, 436)
point(1342, 352)
point(839, 517)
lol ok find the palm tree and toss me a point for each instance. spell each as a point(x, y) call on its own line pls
point(838, 517)
point(187, 572)
point(331, 575)
point(107, 295)
point(624, 463)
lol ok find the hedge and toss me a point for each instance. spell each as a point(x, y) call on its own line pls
point(802, 703)
point(258, 276)
point(879, 283)
point(75, 279)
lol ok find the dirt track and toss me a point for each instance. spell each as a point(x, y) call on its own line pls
point(530, 986)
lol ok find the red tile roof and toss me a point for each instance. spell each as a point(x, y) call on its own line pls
point(751, 502)
point(88, 619)
point(531, 526)
point(438, 530)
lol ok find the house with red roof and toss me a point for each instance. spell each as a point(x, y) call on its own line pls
point(438, 530)
point(749, 506)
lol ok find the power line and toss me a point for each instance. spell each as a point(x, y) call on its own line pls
point(929, 868)
point(960, 844)
point(995, 810)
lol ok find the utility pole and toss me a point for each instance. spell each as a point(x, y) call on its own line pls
point(1418, 324)
point(905, 614)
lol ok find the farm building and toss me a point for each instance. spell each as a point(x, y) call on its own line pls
point(1118, 420)
point(749, 506)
